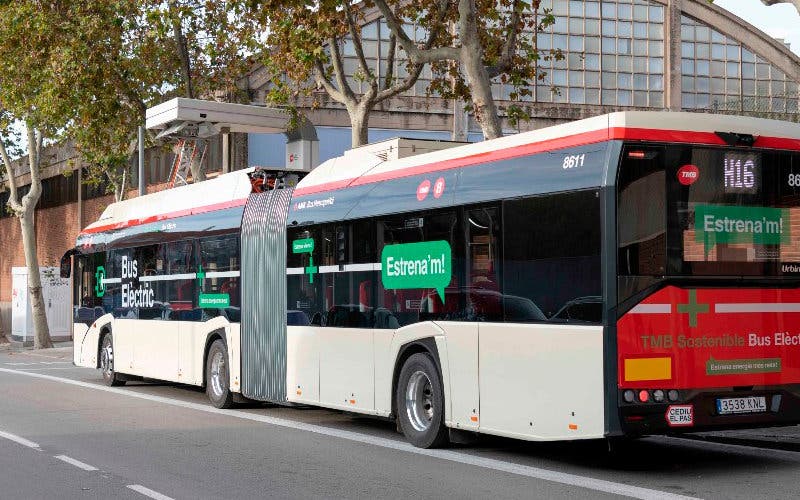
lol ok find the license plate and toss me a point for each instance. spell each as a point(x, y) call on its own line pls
point(752, 404)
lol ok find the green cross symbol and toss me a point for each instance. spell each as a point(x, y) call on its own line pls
point(200, 275)
point(99, 276)
point(311, 269)
point(693, 308)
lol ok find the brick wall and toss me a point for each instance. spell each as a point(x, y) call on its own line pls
point(56, 231)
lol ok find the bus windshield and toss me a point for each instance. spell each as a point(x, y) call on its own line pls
point(708, 211)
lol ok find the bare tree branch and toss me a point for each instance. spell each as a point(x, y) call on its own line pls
point(507, 58)
point(387, 81)
point(359, 48)
point(34, 162)
point(323, 81)
point(338, 69)
point(416, 54)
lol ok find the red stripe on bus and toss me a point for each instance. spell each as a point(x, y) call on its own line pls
point(616, 133)
point(705, 138)
point(487, 156)
point(170, 215)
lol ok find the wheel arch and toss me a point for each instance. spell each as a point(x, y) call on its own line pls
point(211, 337)
point(425, 345)
point(103, 330)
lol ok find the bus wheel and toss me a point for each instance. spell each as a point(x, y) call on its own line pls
point(420, 402)
point(217, 376)
point(110, 377)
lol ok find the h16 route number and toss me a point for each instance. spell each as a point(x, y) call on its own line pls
point(573, 161)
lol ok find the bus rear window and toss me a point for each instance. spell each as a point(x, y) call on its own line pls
point(709, 211)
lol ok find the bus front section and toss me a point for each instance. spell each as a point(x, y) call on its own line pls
point(708, 266)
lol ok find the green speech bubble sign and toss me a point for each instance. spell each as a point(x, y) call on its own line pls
point(736, 224)
point(428, 264)
point(305, 245)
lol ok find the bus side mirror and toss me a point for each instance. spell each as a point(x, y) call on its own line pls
point(66, 264)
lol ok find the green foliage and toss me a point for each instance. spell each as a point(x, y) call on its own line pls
point(87, 71)
point(305, 45)
point(508, 31)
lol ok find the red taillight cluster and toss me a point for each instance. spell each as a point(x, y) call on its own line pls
point(650, 396)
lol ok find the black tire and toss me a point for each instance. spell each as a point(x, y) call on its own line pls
point(106, 362)
point(419, 400)
point(218, 376)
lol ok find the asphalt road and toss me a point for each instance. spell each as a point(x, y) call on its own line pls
point(65, 435)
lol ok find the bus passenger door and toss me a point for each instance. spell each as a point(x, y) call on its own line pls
point(168, 270)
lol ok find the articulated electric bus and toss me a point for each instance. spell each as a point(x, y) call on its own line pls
point(629, 274)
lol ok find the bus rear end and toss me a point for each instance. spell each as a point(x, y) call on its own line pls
point(708, 265)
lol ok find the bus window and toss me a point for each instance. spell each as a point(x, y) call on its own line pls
point(329, 282)
point(88, 294)
point(410, 305)
point(642, 213)
point(181, 291)
point(551, 254)
point(219, 260)
point(148, 259)
point(737, 218)
point(112, 295)
point(482, 293)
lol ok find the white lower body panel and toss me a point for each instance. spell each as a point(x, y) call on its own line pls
point(541, 382)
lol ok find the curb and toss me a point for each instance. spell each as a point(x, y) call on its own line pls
point(766, 443)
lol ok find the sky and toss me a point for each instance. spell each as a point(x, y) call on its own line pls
point(778, 21)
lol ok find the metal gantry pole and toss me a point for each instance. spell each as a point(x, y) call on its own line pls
point(142, 187)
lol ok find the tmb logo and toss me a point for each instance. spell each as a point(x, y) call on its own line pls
point(423, 189)
point(688, 174)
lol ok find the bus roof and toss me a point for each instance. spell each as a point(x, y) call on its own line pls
point(226, 190)
point(359, 167)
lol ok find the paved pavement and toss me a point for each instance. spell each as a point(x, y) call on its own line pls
point(781, 438)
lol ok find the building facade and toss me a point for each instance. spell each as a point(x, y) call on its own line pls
point(677, 55)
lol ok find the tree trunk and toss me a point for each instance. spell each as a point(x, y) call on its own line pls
point(41, 330)
point(183, 51)
point(359, 123)
point(477, 76)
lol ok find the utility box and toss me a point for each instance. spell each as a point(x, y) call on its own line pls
point(57, 303)
point(302, 154)
point(400, 147)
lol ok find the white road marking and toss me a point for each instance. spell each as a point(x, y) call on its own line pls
point(148, 492)
point(48, 368)
point(20, 440)
point(449, 455)
point(76, 463)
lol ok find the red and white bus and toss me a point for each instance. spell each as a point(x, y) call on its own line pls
point(629, 274)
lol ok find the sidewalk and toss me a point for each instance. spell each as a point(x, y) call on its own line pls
point(8, 344)
point(778, 438)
